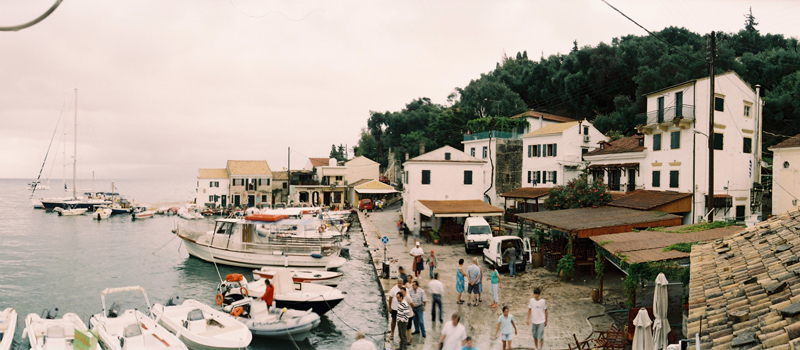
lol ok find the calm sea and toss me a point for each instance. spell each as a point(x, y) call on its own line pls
point(47, 261)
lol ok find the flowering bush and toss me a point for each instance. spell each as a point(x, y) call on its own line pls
point(578, 193)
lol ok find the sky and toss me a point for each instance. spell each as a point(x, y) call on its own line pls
point(169, 86)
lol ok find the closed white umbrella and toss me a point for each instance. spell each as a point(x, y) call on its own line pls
point(643, 336)
point(660, 303)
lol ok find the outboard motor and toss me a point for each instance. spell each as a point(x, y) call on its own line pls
point(113, 311)
point(172, 300)
point(48, 316)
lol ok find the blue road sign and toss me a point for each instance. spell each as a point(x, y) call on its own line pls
point(385, 240)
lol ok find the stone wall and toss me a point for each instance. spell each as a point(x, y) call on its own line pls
point(508, 169)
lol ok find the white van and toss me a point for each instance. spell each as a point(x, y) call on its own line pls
point(476, 233)
point(493, 254)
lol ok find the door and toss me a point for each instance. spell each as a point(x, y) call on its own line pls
point(631, 180)
point(251, 200)
point(679, 104)
point(326, 198)
point(614, 180)
point(740, 212)
point(224, 201)
point(236, 200)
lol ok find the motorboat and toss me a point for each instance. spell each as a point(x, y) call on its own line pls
point(70, 210)
point(131, 329)
point(278, 323)
point(38, 185)
point(47, 332)
point(235, 242)
point(188, 214)
point(200, 327)
point(288, 294)
point(8, 325)
point(296, 228)
point(141, 212)
point(327, 278)
point(102, 213)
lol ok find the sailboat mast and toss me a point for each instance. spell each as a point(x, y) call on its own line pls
point(75, 150)
point(64, 157)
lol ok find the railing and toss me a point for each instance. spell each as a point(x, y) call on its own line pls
point(665, 116)
point(493, 134)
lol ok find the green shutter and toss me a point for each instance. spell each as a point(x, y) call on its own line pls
point(656, 178)
point(656, 142)
point(719, 104)
point(468, 177)
point(426, 177)
point(673, 179)
point(675, 140)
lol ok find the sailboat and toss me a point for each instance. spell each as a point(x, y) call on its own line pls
point(37, 185)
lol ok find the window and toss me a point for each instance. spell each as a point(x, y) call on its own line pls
point(468, 177)
point(538, 151)
point(211, 184)
point(586, 130)
point(405, 178)
point(211, 198)
point(656, 178)
point(614, 179)
point(584, 151)
point(535, 150)
point(447, 156)
point(339, 178)
point(285, 185)
point(538, 177)
point(263, 198)
point(747, 145)
point(268, 181)
point(530, 150)
point(719, 104)
point(675, 140)
point(551, 150)
point(673, 178)
point(747, 108)
point(660, 112)
point(530, 177)
point(679, 104)
point(717, 141)
point(426, 177)
point(553, 176)
point(485, 152)
point(472, 151)
point(216, 183)
point(656, 142)
point(786, 165)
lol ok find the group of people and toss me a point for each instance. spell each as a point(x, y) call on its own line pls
point(472, 276)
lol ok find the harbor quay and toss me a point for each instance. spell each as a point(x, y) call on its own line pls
point(569, 304)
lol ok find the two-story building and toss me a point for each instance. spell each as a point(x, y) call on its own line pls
point(213, 188)
point(553, 154)
point(251, 183)
point(785, 177)
point(618, 163)
point(537, 120)
point(502, 152)
point(360, 168)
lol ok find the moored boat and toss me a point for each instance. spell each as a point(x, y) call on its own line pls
point(65, 333)
point(278, 323)
point(288, 294)
point(327, 278)
point(70, 210)
point(102, 213)
point(200, 327)
point(8, 325)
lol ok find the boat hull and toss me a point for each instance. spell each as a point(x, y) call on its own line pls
point(318, 304)
point(235, 335)
point(8, 318)
point(255, 260)
point(332, 281)
point(50, 205)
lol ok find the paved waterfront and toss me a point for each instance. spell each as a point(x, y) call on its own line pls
point(568, 303)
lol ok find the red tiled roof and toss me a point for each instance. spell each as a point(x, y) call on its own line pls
point(623, 145)
point(546, 116)
point(647, 199)
point(788, 143)
point(527, 192)
point(317, 162)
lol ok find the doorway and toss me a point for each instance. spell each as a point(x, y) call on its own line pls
point(251, 201)
point(236, 200)
point(631, 180)
point(224, 201)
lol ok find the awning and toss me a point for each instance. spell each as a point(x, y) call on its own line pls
point(374, 191)
point(457, 208)
point(613, 166)
point(527, 193)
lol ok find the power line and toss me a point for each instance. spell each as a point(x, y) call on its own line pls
point(37, 20)
point(651, 33)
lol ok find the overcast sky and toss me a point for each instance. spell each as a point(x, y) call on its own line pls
point(169, 86)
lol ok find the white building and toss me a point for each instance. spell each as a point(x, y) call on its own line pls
point(676, 146)
point(618, 163)
point(537, 120)
point(251, 183)
point(552, 155)
point(503, 164)
point(212, 188)
point(360, 168)
point(785, 179)
point(442, 174)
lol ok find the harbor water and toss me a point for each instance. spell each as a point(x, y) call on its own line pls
point(47, 261)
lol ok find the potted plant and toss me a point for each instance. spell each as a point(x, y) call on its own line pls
point(566, 267)
point(435, 236)
point(538, 240)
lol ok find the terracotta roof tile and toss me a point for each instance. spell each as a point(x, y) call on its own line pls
point(645, 246)
point(545, 116)
point(788, 143)
point(609, 219)
point(648, 199)
point(474, 206)
point(248, 167)
point(527, 192)
point(212, 173)
point(280, 176)
point(318, 162)
point(623, 145)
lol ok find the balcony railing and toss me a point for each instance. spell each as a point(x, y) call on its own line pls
point(493, 134)
point(665, 116)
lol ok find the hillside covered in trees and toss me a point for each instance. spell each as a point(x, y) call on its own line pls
point(604, 84)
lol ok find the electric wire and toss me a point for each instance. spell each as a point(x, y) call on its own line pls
point(33, 22)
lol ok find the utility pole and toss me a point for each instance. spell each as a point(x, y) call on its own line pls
point(289, 174)
point(710, 199)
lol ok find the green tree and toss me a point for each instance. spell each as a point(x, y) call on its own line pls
point(578, 193)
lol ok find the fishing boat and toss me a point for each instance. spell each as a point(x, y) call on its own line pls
point(131, 329)
point(70, 210)
point(8, 325)
point(327, 278)
point(276, 323)
point(235, 242)
point(288, 294)
point(102, 213)
point(141, 212)
point(200, 327)
point(51, 333)
point(38, 185)
point(189, 214)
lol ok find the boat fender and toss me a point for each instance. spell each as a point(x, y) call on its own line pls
point(237, 311)
point(316, 256)
point(321, 228)
point(219, 299)
point(185, 324)
point(244, 291)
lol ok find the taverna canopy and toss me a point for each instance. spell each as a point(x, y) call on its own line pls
point(457, 208)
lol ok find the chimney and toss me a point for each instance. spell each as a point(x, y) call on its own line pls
point(541, 121)
point(406, 155)
point(422, 147)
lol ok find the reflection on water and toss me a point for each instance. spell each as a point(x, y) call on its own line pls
point(48, 261)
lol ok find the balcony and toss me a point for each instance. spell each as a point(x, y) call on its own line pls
point(493, 134)
point(682, 117)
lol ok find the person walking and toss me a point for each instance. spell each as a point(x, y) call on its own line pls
point(437, 289)
point(504, 324)
point(409, 283)
point(454, 334)
point(406, 233)
point(400, 227)
point(418, 264)
point(537, 314)
point(511, 253)
point(418, 300)
point(362, 343)
point(473, 272)
point(469, 344)
point(460, 274)
point(393, 304)
point(401, 274)
point(432, 263)
point(495, 279)
point(403, 315)
point(480, 284)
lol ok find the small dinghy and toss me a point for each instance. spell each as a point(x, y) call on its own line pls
point(299, 296)
point(188, 214)
point(327, 278)
point(8, 324)
point(47, 332)
point(131, 329)
point(142, 213)
point(200, 327)
point(70, 210)
point(102, 213)
point(275, 322)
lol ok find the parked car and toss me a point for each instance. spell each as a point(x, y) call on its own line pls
point(493, 254)
point(365, 204)
point(476, 233)
point(384, 179)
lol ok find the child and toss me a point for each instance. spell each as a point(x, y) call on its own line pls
point(432, 263)
point(506, 322)
point(468, 344)
point(495, 277)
